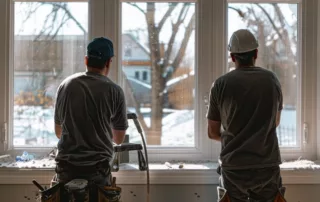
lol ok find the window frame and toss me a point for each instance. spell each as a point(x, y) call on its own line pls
point(9, 148)
point(202, 149)
point(211, 46)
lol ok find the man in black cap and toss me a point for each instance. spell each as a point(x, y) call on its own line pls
point(90, 114)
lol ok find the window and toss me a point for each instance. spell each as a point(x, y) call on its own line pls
point(137, 75)
point(49, 44)
point(167, 51)
point(144, 75)
point(275, 25)
point(177, 63)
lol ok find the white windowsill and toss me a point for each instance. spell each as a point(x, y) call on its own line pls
point(198, 173)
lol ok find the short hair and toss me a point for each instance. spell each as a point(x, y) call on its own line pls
point(96, 63)
point(244, 58)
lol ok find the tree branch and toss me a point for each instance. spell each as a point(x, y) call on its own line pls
point(137, 7)
point(281, 18)
point(66, 9)
point(270, 20)
point(30, 12)
point(63, 22)
point(183, 46)
point(241, 14)
point(175, 29)
point(53, 13)
point(167, 15)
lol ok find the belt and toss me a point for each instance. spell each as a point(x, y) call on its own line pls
point(65, 166)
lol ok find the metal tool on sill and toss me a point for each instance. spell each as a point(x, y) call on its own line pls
point(128, 147)
point(143, 162)
point(78, 188)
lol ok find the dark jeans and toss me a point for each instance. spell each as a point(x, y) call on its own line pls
point(254, 185)
point(99, 175)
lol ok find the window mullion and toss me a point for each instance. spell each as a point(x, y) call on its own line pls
point(96, 18)
point(112, 23)
point(4, 73)
point(318, 83)
point(309, 68)
point(211, 63)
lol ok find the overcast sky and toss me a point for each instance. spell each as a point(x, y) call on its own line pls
point(132, 19)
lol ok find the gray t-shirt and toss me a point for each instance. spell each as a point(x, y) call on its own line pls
point(246, 101)
point(88, 106)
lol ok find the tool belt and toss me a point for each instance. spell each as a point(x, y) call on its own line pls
point(223, 195)
point(105, 194)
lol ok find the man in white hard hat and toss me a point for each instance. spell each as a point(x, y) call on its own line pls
point(247, 102)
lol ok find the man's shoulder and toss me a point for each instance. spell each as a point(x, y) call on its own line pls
point(112, 84)
point(69, 79)
point(72, 77)
point(256, 69)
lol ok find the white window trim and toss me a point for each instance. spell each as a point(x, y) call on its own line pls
point(318, 83)
point(211, 43)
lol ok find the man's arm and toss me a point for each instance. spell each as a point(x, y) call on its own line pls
point(118, 136)
point(213, 114)
point(280, 102)
point(119, 122)
point(214, 130)
point(58, 130)
point(278, 118)
point(57, 117)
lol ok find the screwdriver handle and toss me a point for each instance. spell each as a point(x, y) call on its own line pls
point(38, 185)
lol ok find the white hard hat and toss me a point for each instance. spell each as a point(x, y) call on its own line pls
point(242, 41)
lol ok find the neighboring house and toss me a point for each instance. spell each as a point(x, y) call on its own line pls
point(40, 65)
point(179, 93)
point(136, 59)
point(136, 66)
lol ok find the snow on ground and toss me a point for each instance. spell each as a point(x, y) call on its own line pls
point(34, 126)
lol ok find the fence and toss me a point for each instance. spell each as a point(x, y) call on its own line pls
point(287, 135)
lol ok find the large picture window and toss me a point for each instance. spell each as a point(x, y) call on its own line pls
point(49, 44)
point(167, 55)
point(161, 40)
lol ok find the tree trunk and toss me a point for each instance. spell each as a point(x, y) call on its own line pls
point(157, 81)
point(157, 104)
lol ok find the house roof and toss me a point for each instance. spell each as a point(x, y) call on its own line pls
point(144, 48)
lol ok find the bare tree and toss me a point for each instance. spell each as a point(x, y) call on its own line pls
point(46, 40)
point(165, 60)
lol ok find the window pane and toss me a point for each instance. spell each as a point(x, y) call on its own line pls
point(162, 43)
point(275, 26)
point(49, 44)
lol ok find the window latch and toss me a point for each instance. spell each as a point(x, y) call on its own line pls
point(305, 133)
point(4, 132)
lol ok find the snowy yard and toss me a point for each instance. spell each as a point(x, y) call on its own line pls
point(35, 126)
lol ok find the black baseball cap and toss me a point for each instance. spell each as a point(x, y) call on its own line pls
point(100, 48)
